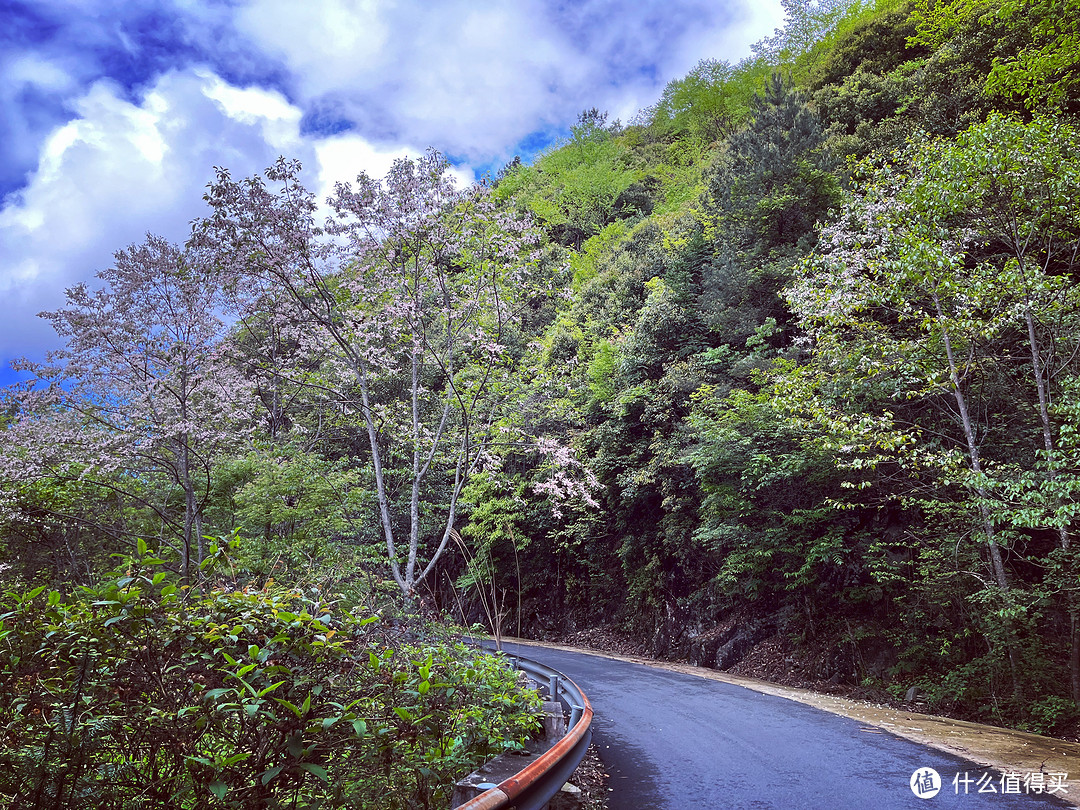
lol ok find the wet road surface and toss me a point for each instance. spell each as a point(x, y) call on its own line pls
point(674, 741)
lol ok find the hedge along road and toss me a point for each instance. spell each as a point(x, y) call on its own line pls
point(677, 741)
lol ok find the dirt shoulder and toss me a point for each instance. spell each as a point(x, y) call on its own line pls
point(988, 746)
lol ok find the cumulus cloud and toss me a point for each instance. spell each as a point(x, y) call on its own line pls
point(477, 77)
point(112, 115)
point(123, 168)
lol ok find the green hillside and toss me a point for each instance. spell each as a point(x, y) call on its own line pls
point(781, 375)
point(820, 355)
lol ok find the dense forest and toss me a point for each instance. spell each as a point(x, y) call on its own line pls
point(790, 359)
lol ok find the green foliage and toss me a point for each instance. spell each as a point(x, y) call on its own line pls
point(140, 693)
point(1052, 715)
point(296, 504)
point(706, 104)
point(576, 190)
point(937, 22)
point(770, 512)
point(1044, 72)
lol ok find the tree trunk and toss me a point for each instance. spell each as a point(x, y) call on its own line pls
point(996, 563)
point(189, 509)
point(380, 482)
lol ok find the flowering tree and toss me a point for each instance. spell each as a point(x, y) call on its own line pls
point(411, 294)
point(941, 278)
point(139, 393)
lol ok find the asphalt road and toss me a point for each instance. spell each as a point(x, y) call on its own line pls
point(674, 741)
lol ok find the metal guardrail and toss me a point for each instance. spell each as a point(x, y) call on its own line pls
point(534, 786)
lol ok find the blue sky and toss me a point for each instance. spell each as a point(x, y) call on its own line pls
point(113, 113)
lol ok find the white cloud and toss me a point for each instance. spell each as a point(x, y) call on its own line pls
point(322, 41)
point(276, 118)
point(113, 158)
point(476, 76)
point(121, 169)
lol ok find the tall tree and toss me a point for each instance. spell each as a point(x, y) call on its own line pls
point(939, 275)
point(140, 392)
point(765, 194)
point(412, 292)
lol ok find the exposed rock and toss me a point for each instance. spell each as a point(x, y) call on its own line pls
point(741, 642)
point(915, 697)
point(703, 647)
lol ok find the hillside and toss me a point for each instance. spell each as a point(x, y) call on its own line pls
point(820, 355)
point(782, 376)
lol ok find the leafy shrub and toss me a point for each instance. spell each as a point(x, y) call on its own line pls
point(142, 693)
point(1052, 715)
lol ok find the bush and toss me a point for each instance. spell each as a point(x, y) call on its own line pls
point(142, 693)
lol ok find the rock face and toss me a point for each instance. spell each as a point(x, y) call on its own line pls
point(725, 646)
point(703, 647)
point(742, 641)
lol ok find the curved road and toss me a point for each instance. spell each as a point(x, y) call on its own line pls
point(678, 742)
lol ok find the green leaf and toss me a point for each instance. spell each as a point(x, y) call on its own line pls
point(269, 689)
point(360, 727)
point(219, 789)
point(295, 745)
point(318, 770)
point(292, 707)
point(270, 774)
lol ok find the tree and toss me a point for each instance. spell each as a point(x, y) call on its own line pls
point(707, 103)
point(806, 24)
point(1016, 187)
point(939, 270)
point(1045, 70)
point(411, 293)
point(765, 194)
point(140, 392)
